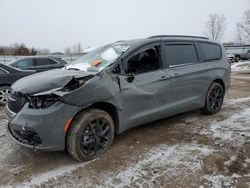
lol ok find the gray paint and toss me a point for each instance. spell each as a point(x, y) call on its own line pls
point(151, 96)
point(49, 125)
point(49, 80)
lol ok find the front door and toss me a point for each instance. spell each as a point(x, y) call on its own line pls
point(144, 86)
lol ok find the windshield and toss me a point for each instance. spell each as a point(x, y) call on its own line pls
point(100, 58)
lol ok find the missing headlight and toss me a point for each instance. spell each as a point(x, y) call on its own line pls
point(41, 102)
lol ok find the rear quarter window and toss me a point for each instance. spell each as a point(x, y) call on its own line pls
point(210, 51)
point(41, 61)
point(180, 54)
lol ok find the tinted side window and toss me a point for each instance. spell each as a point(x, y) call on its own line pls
point(59, 60)
point(23, 63)
point(145, 61)
point(52, 62)
point(178, 54)
point(210, 51)
point(41, 61)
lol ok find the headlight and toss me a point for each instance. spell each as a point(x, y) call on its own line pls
point(48, 98)
point(41, 102)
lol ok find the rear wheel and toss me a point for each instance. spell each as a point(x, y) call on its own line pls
point(237, 58)
point(90, 135)
point(4, 93)
point(214, 99)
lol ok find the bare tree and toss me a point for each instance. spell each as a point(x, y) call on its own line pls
point(215, 26)
point(244, 27)
point(43, 51)
point(76, 48)
point(239, 34)
point(67, 51)
point(79, 48)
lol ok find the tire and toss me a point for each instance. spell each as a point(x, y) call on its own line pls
point(90, 135)
point(4, 92)
point(214, 99)
point(237, 58)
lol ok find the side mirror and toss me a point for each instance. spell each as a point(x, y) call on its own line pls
point(131, 77)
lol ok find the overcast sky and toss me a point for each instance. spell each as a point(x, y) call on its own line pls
point(57, 24)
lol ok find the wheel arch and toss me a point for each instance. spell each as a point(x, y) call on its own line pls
point(110, 109)
point(107, 107)
point(220, 81)
point(2, 85)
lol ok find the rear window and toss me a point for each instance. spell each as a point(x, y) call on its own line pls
point(210, 51)
point(178, 54)
point(41, 61)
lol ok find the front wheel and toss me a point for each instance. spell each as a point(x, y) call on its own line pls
point(214, 99)
point(4, 93)
point(90, 135)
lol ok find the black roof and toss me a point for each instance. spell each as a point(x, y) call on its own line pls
point(177, 36)
point(159, 37)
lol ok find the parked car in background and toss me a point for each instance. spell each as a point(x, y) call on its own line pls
point(115, 88)
point(8, 75)
point(240, 52)
point(38, 63)
point(231, 58)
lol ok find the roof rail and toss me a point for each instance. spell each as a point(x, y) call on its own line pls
point(184, 36)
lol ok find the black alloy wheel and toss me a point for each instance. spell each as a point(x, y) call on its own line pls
point(90, 134)
point(95, 137)
point(214, 99)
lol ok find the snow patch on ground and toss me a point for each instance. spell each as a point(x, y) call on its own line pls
point(173, 162)
point(241, 66)
point(53, 174)
point(230, 161)
point(234, 129)
point(229, 102)
point(218, 181)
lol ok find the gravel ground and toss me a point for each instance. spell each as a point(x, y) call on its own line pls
point(187, 150)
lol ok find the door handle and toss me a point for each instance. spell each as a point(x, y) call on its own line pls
point(164, 78)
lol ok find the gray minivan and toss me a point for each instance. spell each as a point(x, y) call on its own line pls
point(115, 88)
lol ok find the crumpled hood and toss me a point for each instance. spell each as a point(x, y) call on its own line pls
point(46, 81)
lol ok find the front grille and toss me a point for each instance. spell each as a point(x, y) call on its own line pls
point(15, 102)
point(26, 137)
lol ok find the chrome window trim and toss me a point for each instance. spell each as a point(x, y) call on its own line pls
point(57, 62)
point(180, 65)
point(4, 70)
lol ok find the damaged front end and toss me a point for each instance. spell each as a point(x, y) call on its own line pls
point(37, 111)
point(45, 89)
point(48, 98)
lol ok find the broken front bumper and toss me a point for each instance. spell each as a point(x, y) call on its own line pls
point(41, 129)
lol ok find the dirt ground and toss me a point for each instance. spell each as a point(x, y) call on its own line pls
point(187, 150)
